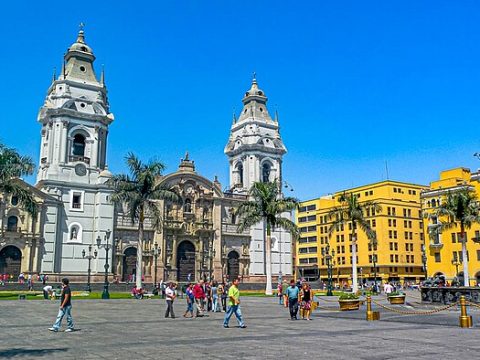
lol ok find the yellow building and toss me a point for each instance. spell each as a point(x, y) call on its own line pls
point(444, 255)
point(399, 228)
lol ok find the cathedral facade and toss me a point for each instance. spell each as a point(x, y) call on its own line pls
point(198, 238)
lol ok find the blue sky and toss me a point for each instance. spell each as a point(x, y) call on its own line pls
point(356, 83)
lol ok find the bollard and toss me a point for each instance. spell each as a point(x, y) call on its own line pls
point(465, 320)
point(371, 315)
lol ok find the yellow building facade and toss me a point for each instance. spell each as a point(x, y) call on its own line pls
point(444, 255)
point(399, 228)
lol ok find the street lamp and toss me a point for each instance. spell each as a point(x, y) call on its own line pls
point(328, 256)
point(156, 252)
point(90, 256)
point(456, 263)
point(424, 261)
point(374, 260)
point(107, 247)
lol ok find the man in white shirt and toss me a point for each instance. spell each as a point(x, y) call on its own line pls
point(47, 291)
point(170, 295)
point(388, 288)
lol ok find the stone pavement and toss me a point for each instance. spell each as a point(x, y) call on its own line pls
point(136, 329)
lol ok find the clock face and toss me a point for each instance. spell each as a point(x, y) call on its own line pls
point(80, 169)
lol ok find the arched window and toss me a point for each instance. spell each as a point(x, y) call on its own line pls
point(187, 206)
point(266, 172)
point(14, 200)
point(434, 203)
point(12, 223)
point(240, 173)
point(79, 145)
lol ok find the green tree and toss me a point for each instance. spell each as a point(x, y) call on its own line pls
point(12, 167)
point(355, 212)
point(267, 205)
point(140, 192)
point(459, 208)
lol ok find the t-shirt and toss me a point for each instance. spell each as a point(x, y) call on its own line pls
point(190, 294)
point(66, 291)
point(235, 293)
point(292, 292)
point(48, 288)
point(170, 293)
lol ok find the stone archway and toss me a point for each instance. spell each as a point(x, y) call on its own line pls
point(186, 261)
point(233, 265)
point(129, 264)
point(10, 261)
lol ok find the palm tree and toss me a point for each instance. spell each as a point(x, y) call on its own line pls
point(140, 192)
point(352, 211)
point(460, 207)
point(12, 167)
point(267, 205)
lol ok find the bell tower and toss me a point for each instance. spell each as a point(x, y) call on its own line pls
point(75, 118)
point(255, 151)
point(255, 148)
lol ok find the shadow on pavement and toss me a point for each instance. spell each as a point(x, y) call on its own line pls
point(18, 353)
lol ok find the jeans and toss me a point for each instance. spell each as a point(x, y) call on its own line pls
point(215, 303)
point(169, 309)
point(67, 310)
point(233, 309)
point(293, 307)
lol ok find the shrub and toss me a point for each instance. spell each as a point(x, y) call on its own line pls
point(348, 296)
point(396, 293)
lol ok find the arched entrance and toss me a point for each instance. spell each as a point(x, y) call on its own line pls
point(129, 263)
point(10, 260)
point(233, 266)
point(477, 278)
point(186, 261)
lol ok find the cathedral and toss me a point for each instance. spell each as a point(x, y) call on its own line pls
point(198, 238)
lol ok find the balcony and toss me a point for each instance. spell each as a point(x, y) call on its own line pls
point(435, 244)
point(75, 158)
point(231, 229)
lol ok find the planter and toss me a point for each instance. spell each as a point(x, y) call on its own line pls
point(397, 299)
point(346, 305)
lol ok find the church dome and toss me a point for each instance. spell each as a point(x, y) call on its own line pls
point(80, 45)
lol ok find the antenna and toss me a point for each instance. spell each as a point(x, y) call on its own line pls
point(386, 169)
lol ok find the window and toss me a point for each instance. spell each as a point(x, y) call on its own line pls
point(438, 258)
point(187, 206)
point(76, 202)
point(374, 223)
point(78, 145)
point(12, 223)
point(14, 200)
point(266, 169)
point(240, 173)
point(478, 255)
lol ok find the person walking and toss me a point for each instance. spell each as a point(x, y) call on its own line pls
point(224, 296)
point(220, 294)
point(190, 301)
point(170, 294)
point(214, 291)
point(292, 297)
point(234, 305)
point(306, 296)
point(65, 308)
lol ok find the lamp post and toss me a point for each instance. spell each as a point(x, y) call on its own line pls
point(90, 256)
point(156, 253)
point(107, 247)
point(328, 256)
point(456, 263)
point(374, 260)
point(424, 261)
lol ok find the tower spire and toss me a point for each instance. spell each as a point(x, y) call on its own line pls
point(81, 34)
point(54, 76)
point(102, 75)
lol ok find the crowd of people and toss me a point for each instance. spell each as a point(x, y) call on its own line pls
point(23, 279)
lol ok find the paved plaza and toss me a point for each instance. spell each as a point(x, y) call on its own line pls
point(136, 329)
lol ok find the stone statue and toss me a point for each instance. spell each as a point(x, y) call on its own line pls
point(244, 249)
point(74, 234)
